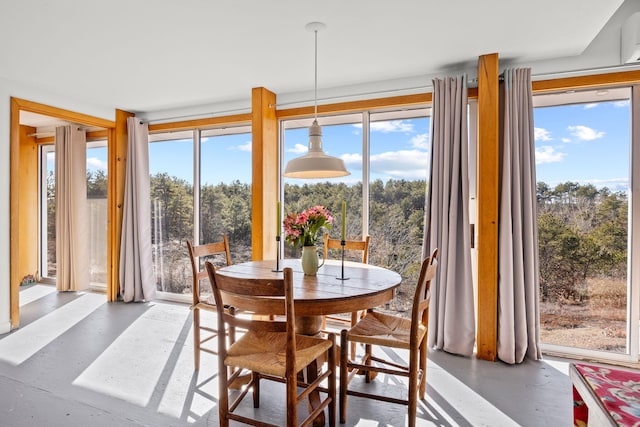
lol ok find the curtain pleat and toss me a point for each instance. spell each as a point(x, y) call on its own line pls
point(72, 225)
point(137, 281)
point(451, 313)
point(518, 313)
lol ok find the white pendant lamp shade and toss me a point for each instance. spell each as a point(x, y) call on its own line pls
point(315, 164)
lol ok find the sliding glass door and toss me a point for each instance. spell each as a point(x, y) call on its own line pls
point(583, 158)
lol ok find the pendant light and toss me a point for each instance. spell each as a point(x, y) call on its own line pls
point(315, 164)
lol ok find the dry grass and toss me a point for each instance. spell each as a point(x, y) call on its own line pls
point(598, 324)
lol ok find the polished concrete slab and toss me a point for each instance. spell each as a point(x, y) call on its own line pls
point(77, 360)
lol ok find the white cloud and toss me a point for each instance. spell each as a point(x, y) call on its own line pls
point(421, 141)
point(95, 163)
point(541, 134)
point(585, 133)
point(407, 164)
point(401, 164)
point(298, 149)
point(590, 105)
point(621, 104)
point(567, 140)
point(245, 147)
point(242, 147)
point(548, 154)
point(391, 126)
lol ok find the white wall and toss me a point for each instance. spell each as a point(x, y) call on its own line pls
point(7, 90)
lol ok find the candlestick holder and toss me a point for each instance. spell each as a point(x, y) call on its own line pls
point(342, 243)
point(277, 269)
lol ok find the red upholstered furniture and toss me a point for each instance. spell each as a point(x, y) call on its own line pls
point(603, 396)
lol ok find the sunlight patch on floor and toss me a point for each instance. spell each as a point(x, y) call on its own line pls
point(471, 405)
point(34, 293)
point(560, 366)
point(132, 366)
point(27, 341)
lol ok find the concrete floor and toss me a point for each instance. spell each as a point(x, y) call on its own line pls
point(79, 361)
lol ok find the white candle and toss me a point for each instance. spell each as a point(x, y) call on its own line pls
point(278, 226)
point(344, 219)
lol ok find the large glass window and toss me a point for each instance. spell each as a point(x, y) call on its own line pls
point(96, 212)
point(387, 155)
point(582, 166)
point(200, 203)
point(97, 205)
point(171, 174)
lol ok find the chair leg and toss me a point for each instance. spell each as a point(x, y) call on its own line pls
point(352, 348)
point(223, 394)
point(255, 378)
point(332, 381)
point(196, 338)
point(423, 367)
point(413, 386)
point(368, 375)
point(344, 377)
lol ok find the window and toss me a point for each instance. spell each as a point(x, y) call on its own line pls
point(96, 206)
point(387, 155)
point(582, 164)
point(199, 203)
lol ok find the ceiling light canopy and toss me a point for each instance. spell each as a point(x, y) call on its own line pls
point(315, 164)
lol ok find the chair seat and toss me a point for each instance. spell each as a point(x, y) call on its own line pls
point(384, 329)
point(265, 352)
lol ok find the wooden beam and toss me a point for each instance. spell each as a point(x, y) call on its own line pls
point(236, 119)
point(346, 107)
point(117, 162)
point(621, 78)
point(14, 215)
point(28, 204)
point(487, 202)
point(63, 114)
point(264, 171)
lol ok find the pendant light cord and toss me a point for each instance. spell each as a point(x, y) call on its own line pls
point(315, 90)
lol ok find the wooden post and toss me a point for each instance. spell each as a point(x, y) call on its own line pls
point(118, 142)
point(487, 198)
point(264, 170)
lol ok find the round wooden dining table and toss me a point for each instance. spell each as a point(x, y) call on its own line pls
point(364, 286)
point(334, 289)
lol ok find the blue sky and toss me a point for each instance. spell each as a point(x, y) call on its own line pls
point(585, 143)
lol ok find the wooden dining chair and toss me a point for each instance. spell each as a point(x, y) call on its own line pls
point(350, 245)
point(270, 349)
point(200, 301)
point(392, 331)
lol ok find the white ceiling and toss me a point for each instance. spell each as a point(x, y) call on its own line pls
point(167, 54)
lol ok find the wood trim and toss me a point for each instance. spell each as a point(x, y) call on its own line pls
point(201, 123)
point(117, 162)
point(348, 107)
point(14, 214)
point(584, 82)
point(23, 185)
point(28, 204)
point(487, 201)
point(63, 114)
point(264, 170)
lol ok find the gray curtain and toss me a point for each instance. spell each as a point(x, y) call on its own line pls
point(451, 313)
point(518, 315)
point(137, 281)
point(72, 224)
